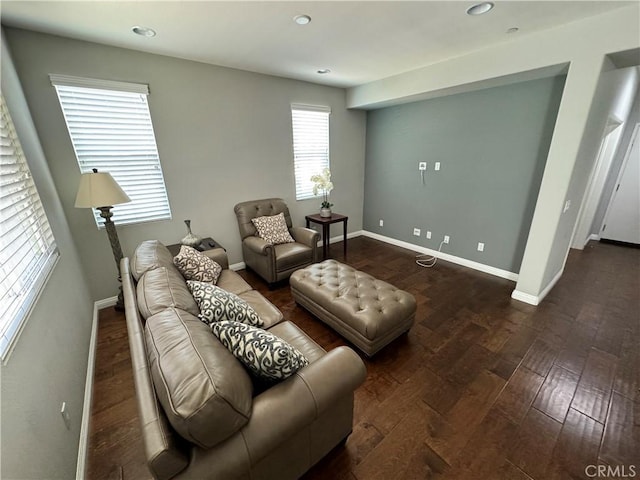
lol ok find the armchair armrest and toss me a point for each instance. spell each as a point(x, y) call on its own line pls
point(290, 405)
point(218, 255)
point(306, 236)
point(257, 245)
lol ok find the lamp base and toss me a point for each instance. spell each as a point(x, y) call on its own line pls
point(119, 306)
point(110, 227)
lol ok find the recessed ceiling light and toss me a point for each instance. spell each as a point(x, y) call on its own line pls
point(144, 31)
point(323, 71)
point(302, 19)
point(479, 8)
point(513, 30)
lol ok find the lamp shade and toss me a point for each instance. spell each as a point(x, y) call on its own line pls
point(99, 189)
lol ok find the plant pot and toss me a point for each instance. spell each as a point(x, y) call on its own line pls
point(325, 212)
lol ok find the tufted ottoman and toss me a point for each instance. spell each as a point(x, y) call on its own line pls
point(366, 311)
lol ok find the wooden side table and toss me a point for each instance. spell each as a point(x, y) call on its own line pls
point(326, 222)
point(206, 244)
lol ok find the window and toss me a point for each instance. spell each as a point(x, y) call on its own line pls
point(310, 145)
point(111, 130)
point(28, 250)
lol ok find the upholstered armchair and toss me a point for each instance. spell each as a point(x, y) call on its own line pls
point(274, 262)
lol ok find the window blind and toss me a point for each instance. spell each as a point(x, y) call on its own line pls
point(310, 126)
point(110, 127)
point(27, 248)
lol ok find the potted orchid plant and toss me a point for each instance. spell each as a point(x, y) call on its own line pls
point(322, 183)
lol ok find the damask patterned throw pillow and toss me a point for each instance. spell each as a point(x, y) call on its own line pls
point(267, 356)
point(273, 229)
point(194, 265)
point(216, 304)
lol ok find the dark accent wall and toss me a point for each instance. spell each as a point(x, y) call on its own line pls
point(492, 146)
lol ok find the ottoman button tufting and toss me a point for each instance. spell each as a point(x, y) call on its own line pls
point(365, 321)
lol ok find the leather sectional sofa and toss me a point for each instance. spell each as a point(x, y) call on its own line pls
point(202, 415)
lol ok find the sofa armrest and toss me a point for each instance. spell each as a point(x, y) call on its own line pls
point(333, 376)
point(289, 406)
point(218, 255)
point(164, 450)
point(258, 245)
point(305, 236)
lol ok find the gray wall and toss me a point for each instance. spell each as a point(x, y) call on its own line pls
point(48, 365)
point(492, 145)
point(223, 135)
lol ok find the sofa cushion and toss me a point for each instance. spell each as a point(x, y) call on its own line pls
point(294, 336)
point(217, 304)
point(194, 265)
point(292, 255)
point(266, 310)
point(263, 353)
point(273, 229)
point(161, 288)
point(232, 282)
point(204, 391)
point(149, 255)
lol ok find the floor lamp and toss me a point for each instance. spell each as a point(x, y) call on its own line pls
point(100, 190)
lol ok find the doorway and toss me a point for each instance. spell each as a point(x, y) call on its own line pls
point(608, 148)
point(622, 218)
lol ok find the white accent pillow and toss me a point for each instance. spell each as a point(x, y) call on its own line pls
point(273, 229)
point(194, 265)
point(216, 304)
point(267, 356)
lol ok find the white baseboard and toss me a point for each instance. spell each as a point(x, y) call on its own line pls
point(536, 299)
point(551, 284)
point(525, 297)
point(581, 246)
point(237, 266)
point(497, 272)
point(340, 238)
point(106, 302)
point(83, 443)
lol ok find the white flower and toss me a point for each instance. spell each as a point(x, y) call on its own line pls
point(324, 184)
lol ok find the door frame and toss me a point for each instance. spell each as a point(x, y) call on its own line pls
point(609, 144)
point(634, 138)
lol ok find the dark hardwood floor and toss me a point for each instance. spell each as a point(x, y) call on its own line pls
point(482, 387)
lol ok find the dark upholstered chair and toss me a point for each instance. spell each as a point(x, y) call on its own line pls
point(274, 262)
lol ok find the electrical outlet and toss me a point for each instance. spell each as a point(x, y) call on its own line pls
point(436, 167)
point(422, 165)
point(65, 415)
point(446, 239)
point(416, 232)
point(428, 234)
point(381, 223)
point(480, 247)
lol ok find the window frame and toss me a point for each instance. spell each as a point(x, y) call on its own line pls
point(110, 127)
point(24, 283)
point(302, 173)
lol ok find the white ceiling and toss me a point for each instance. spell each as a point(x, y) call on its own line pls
point(359, 41)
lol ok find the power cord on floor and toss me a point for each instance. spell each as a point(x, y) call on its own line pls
point(428, 261)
